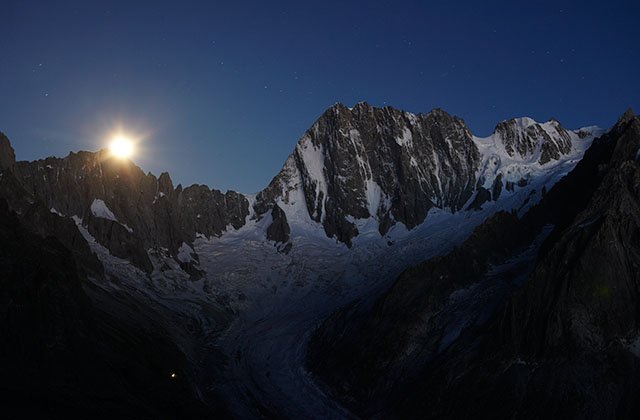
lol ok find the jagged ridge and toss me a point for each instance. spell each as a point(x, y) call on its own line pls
point(353, 164)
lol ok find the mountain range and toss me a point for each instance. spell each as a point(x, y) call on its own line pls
point(395, 255)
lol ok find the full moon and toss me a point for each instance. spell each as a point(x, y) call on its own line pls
point(121, 147)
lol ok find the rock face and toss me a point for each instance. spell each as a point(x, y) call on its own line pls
point(565, 344)
point(525, 138)
point(36, 217)
point(130, 212)
point(7, 155)
point(394, 166)
point(119, 241)
point(279, 229)
point(383, 163)
point(63, 357)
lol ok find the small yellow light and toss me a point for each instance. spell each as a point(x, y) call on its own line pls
point(173, 375)
point(121, 147)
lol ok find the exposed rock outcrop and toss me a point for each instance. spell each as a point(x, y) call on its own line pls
point(526, 138)
point(7, 154)
point(394, 166)
point(143, 212)
point(65, 357)
point(377, 162)
point(279, 230)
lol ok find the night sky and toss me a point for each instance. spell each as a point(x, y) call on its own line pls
point(222, 92)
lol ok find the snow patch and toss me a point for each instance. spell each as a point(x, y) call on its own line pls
point(374, 195)
point(313, 158)
point(632, 345)
point(99, 209)
point(524, 122)
point(185, 253)
point(251, 198)
point(406, 137)
point(591, 130)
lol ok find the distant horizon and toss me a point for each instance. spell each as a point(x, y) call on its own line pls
point(176, 182)
point(225, 90)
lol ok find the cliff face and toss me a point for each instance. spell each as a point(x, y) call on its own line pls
point(7, 155)
point(378, 162)
point(127, 211)
point(462, 330)
point(394, 166)
point(63, 355)
point(526, 138)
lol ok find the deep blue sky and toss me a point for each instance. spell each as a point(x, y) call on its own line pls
point(222, 92)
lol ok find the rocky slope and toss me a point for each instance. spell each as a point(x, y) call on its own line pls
point(86, 333)
point(62, 355)
point(126, 210)
point(461, 330)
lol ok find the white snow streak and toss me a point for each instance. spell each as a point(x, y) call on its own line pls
point(406, 137)
point(99, 209)
point(185, 253)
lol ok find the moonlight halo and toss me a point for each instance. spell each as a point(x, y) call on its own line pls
point(121, 147)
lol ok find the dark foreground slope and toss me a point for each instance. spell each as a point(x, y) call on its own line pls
point(62, 357)
point(459, 337)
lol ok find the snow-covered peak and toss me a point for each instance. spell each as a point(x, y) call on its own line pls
point(528, 140)
point(589, 131)
point(365, 167)
point(523, 122)
point(526, 157)
point(379, 164)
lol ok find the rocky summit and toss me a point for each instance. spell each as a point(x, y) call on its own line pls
point(393, 166)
